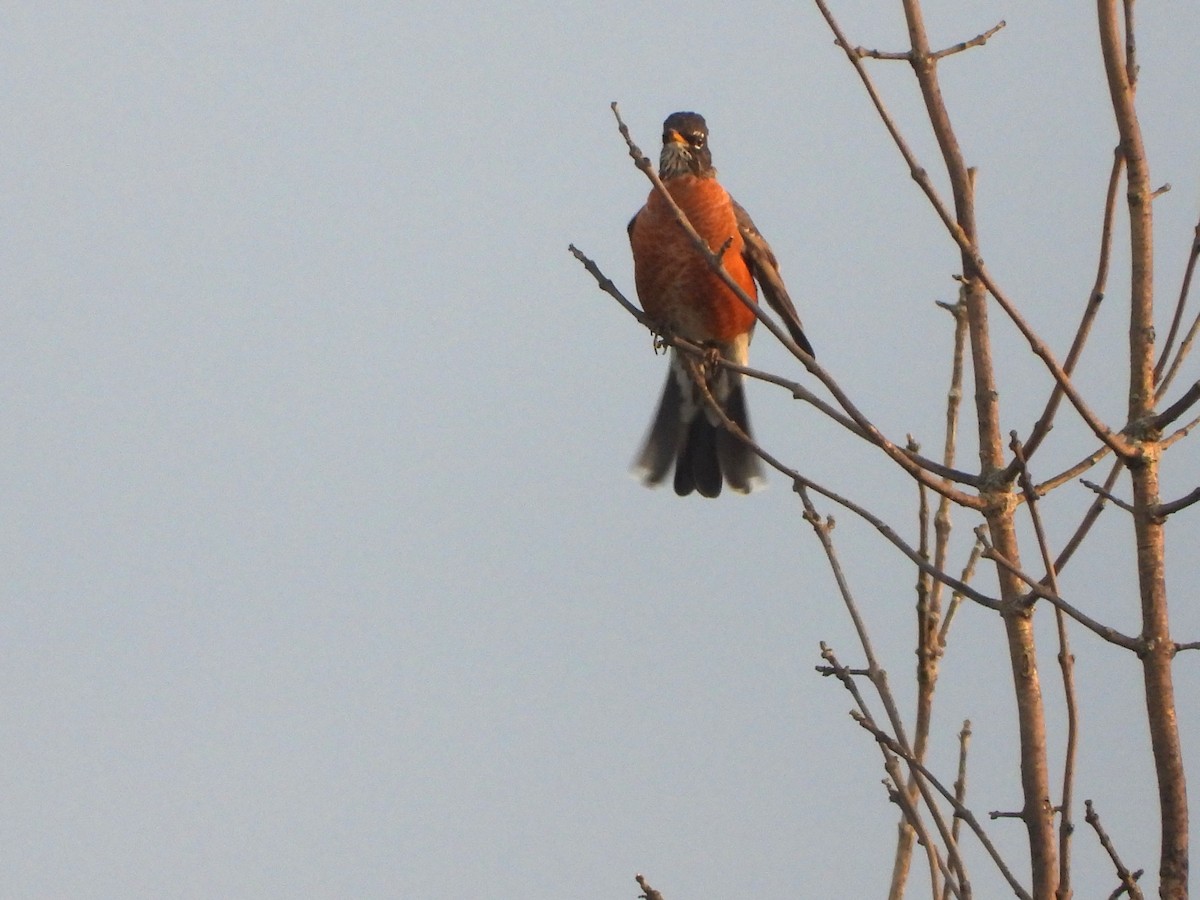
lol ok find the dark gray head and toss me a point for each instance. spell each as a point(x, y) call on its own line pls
point(685, 147)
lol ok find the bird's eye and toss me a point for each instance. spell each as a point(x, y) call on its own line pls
point(697, 139)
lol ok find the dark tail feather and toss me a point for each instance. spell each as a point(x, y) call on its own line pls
point(665, 437)
point(740, 465)
point(699, 465)
point(704, 455)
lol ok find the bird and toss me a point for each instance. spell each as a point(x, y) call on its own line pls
point(683, 296)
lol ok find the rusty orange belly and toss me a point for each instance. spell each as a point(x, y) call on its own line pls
point(674, 283)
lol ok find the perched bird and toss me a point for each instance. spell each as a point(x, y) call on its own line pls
point(685, 297)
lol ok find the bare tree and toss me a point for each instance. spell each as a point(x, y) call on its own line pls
point(934, 813)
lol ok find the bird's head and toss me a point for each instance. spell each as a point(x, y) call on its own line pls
point(685, 146)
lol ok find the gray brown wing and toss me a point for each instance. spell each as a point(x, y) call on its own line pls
point(765, 269)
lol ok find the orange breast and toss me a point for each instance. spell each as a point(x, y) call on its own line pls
point(674, 283)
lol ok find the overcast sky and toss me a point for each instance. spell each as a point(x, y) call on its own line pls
point(324, 573)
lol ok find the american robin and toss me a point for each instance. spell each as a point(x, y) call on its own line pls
point(683, 295)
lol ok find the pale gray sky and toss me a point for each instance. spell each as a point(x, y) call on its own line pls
point(324, 576)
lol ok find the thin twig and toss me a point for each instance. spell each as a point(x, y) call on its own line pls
point(878, 677)
point(978, 41)
point(800, 482)
point(895, 55)
point(607, 285)
point(1040, 590)
point(800, 392)
point(956, 598)
point(906, 55)
point(1176, 409)
point(1179, 435)
point(1184, 288)
point(967, 245)
point(1166, 509)
point(960, 810)
point(826, 671)
point(960, 782)
point(942, 524)
point(930, 633)
point(1107, 495)
point(797, 390)
point(1185, 348)
point(1074, 471)
point(889, 750)
point(1131, 66)
point(1095, 298)
point(1088, 520)
point(1066, 663)
point(1128, 879)
point(927, 655)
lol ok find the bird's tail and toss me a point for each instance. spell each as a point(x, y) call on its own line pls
point(688, 436)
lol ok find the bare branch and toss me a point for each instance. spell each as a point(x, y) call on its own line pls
point(1166, 509)
point(1157, 652)
point(1114, 441)
point(1017, 623)
point(1184, 288)
point(931, 634)
point(797, 390)
point(1039, 590)
point(960, 782)
point(966, 242)
point(960, 810)
point(1088, 520)
point(898, 796)
point(978, 41)
point(1128, 879)
point(1005, 814)
point(1131, 66)
point(1179, 435)
point(826, 671)
point(878, 677)
point(956, 598)
point(823, 527)
point(941, 523)
point(910, 812)
point(606, 285)
point(800, 482)
point(1095, 298)
point(906, 55)
point(1066, 663)
point(1078, 469)
point(1184, 349)
point(1176, 409)
point(861, 52)
point(886, 530)
point(1107, 495)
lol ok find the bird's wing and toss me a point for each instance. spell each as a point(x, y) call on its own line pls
point(765, 269)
